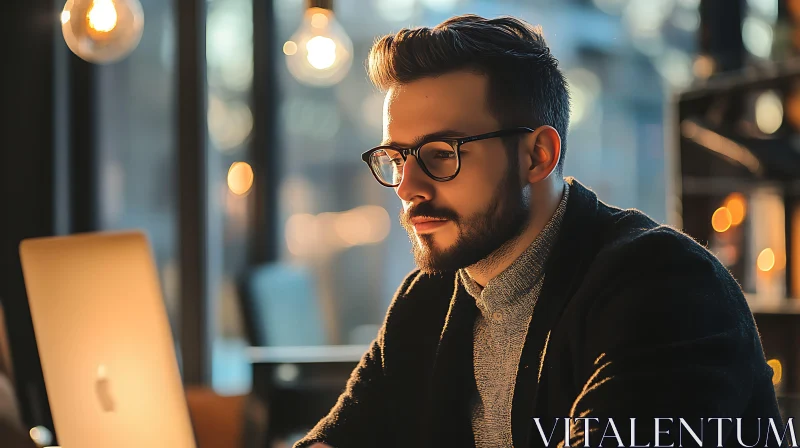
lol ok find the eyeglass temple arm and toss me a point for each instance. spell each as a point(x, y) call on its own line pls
point(502, 133)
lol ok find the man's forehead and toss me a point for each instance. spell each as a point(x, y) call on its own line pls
point(452, 101)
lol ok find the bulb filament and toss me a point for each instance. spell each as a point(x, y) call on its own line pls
point(102, 16)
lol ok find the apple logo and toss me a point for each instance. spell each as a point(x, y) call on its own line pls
point(102, 388)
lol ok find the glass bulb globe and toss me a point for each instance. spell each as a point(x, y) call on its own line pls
point(102, 31)
point(320, 52)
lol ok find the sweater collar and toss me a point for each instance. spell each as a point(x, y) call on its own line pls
point(508, 289)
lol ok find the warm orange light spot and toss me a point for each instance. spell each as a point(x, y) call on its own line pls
point(735, 203)
point(721, 220)
point(766, 260)
point(703, 67)
point(102, 16)
point(319, 20)
point(777, 370)
point(289, 48)
point(240, 178)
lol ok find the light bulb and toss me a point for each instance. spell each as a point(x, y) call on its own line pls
point(320, 52)
point(102, 31)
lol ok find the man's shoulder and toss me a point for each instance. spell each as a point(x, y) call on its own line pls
point(629, 235)
point(642, 263)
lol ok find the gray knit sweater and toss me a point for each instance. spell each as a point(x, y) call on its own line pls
point(506, 306)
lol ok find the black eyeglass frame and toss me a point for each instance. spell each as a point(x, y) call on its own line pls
point(455, 143)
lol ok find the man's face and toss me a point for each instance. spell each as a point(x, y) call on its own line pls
point(457, 223)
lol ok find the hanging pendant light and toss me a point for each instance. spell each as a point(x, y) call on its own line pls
point(320, 52)
point(102, 31)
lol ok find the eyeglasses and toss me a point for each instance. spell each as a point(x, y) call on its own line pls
point(439, 158)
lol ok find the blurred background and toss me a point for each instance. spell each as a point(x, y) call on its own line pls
point(231, 132)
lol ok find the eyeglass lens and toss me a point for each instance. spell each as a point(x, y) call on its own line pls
point(439, 158)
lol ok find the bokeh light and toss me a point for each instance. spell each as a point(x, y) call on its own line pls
point(328, 232)
point(229, 123)
point(645, 17)
point(735, 203)
point(757, 36)
point(721, 220)
point(240, 178)
point(766, 260)
point(584, 89)
point(703, 66)
point(289, 48)
point(777, 370)
point(769, 112)
point(41, 436)
point(686, 20)
point(676, 67)
point(229, 46)
point(319, 20)
point(767, 9)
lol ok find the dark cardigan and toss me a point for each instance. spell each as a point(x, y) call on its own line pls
point(634, 320)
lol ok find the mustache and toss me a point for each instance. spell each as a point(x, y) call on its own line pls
point(427, 210)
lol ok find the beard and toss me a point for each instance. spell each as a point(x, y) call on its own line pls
point(484, 236)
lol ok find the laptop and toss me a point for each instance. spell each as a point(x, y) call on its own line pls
point(104, 340)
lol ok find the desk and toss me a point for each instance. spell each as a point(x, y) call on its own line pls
point(300, 384)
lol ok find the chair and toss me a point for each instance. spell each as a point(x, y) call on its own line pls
point(281, 306)
point(226, 421)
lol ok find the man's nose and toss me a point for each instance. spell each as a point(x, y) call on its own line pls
point(415, 186)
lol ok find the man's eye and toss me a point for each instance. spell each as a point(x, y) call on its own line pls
point(445, 154)
point(397, 161)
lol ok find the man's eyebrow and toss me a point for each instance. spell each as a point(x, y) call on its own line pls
point(448, 133)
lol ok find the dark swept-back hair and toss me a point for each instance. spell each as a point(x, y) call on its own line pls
point(526, 87)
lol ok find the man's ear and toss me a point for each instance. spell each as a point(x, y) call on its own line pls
point(541, 153)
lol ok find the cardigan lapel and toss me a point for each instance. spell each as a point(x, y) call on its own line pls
point(453, 379)
point(429, 302)
point(568, 261)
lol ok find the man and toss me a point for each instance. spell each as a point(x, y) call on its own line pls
point(533, 302)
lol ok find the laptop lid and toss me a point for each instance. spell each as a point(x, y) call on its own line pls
point(104, 340)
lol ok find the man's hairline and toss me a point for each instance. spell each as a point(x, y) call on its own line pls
point(388, 91)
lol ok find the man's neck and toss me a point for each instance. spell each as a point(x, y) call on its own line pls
point(543, 205)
